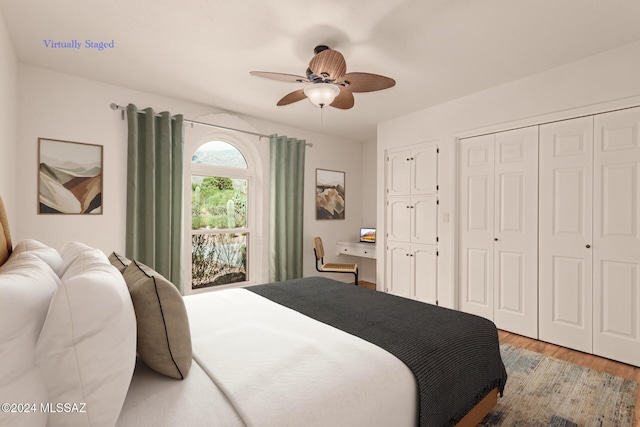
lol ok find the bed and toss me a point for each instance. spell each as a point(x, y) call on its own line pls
point(99, 340)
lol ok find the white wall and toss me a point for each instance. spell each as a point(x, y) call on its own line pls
point(8, 116)
point(60, 106)
point(597, 83)
point(367, 267)
point(369, 173)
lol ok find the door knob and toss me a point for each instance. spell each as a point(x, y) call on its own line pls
point(495, 238)
point(588, 246)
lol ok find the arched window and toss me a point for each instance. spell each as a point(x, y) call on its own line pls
point(221, 186)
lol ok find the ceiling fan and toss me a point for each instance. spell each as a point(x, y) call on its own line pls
point(328, 81)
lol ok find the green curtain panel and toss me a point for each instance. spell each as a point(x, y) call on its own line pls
point(155, 191)
point(286, 208)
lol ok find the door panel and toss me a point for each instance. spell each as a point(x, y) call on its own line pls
point(399, 219)
point(479, 207)
point(399, 273)
point(512, 203)
point(399, 172)
point(565, 219)
point(567, 293)
point(516, 231)
point(479, 278)
point(424, 220)
point(510, 282)
point(476, 225)
point(619, 290)
point(620, 200)
point(616, 229)
point(426, 279)
point(425, 169)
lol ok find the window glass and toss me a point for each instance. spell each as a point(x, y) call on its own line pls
point(220, 228)
point(219, 153)
point(218, 202)
point(218, 259)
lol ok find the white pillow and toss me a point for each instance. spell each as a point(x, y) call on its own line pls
point(87, 348)
point(72, 250)
point(42, 251)
point(27, 285)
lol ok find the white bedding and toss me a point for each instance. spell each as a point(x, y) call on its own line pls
point(272, 366)
point(157, 400)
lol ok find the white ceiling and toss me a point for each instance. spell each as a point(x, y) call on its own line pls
point(203, 50)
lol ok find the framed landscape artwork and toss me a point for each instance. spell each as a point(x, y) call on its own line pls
point(69, 177)
point(330, 196)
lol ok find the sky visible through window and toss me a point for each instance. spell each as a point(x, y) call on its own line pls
point(219, 153)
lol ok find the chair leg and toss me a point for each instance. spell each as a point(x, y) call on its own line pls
point(356, 274)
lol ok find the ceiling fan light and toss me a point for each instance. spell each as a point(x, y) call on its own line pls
point(321, 94)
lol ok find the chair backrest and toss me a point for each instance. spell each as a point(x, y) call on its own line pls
point(317, 244)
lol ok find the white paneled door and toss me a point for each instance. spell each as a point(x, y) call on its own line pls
point(616, 232)
point(565, 233)
point(515, 231)
point(549, 228)
point(476, 225)
point(499, 228)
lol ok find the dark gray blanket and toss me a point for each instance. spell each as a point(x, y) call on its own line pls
point(454, 356)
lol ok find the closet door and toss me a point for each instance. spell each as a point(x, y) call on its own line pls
point(424, 169)
point(399, 219)
point(425, 264)
point(476, 225)
point(398, 172)
point(516, 231)
point(424, 220)
point(565, 237)
point(616, 232)
point(399, 269)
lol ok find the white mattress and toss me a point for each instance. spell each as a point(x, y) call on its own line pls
point(258, 363)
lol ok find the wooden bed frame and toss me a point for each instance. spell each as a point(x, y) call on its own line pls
point(477, 414)
point(5, 235)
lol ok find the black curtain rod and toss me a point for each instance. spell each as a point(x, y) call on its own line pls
point(115, 106)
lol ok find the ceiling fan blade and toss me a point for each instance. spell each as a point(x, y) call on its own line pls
point(329, 62)
point(280, 76)
point(344, 100)
point(367, 82)
point(292, 97)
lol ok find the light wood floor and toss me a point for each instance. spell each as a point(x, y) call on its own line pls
point(367, 285)
point(588, 360)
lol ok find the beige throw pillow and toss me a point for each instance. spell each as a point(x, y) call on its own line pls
point(164, 337)
point(119, 261)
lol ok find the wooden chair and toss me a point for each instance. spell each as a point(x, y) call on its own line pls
point(331, 267)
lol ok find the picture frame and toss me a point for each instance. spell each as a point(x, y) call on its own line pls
point(330, 194)
point(70, 177)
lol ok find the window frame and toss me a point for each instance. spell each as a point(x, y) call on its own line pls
point(254, 220)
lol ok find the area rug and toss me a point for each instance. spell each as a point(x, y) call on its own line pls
point(543, 391)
